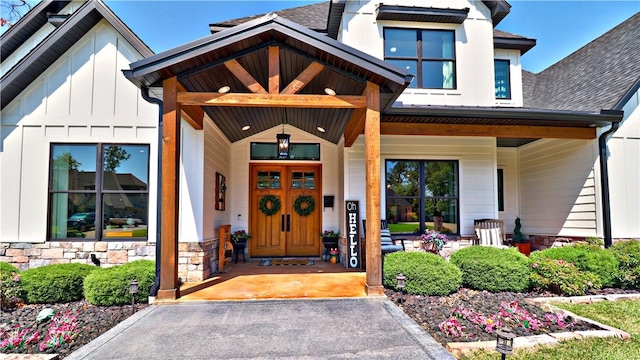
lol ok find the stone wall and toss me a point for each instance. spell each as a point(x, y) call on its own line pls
point(197, 261)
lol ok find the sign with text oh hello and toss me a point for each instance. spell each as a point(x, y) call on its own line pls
point(353, 234)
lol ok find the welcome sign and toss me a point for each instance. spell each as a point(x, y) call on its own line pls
point(353, 234)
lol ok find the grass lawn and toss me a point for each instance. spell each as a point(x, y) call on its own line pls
point(624, 315)
point(404, 227)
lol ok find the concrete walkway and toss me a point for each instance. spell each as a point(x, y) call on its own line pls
point(360, 328)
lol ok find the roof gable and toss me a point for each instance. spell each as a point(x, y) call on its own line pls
point(597, 76)
point(57, 43)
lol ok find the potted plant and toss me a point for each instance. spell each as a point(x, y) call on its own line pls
point(433, 241)
point(239, 240)
point(330, 239)
point(518, 239)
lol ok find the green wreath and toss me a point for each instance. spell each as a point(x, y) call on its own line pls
point(275, 205)
point(304, 199)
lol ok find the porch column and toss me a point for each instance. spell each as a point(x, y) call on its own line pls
point(372, 160)
point(170, 175)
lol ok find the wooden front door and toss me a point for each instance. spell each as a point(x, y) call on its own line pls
point(277, 229)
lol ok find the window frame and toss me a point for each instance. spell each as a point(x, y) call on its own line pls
point(98, 192)
point(508, 79)
point(419, 76)
point(422, 196)
point(500, 181)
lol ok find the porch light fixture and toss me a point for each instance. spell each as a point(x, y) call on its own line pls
point(225, 89)
point(400, 278)
point(504, 342)
point(329, 91)
point(133, 290)
point(320, 128)
point(246, 127)
point(283, 141)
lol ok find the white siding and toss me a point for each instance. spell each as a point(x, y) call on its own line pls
point(476, 163)
point(515, 78)
point(558, 187)
point(67, 105)
point(473, 48)
point(508, 162)
point(624, 173)
point(217, 158)
point(191, 184)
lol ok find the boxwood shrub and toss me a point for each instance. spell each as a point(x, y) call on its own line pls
point(110, 286)
point(11, 293)
point(586, 258)
point(57, 283)
point(493, 269)
point(427, 274)
point(628, 255)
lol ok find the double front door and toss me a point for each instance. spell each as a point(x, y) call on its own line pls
point(286, 210)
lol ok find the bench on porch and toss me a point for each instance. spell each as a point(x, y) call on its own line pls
point(225, 247)
point(490, 232)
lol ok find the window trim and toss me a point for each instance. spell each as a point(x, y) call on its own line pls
point(98, 191)
point(419, 59)
point(508, 97)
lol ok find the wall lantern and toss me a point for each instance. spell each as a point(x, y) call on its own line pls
point(504, 342)
point(133, 290)
point(283, 141)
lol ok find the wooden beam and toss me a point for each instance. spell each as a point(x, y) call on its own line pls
point(170, 190)
point(274, 69)
point(245, 78)
point(372, 193)
point(354, 127)
point(304, 78)
point(500, 131)
point(272, 100)
point(194, 115)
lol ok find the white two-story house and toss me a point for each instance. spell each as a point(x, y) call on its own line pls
point(314, 118)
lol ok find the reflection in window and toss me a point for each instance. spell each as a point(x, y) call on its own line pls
point(268, 180)
point(302, 180)
point(78, 208)
point(416, 191)
point(503, 87)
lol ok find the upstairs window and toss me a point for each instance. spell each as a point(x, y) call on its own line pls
point(503, 86)
point(427, 54)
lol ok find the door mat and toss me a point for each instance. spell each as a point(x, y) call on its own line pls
point(286, 262)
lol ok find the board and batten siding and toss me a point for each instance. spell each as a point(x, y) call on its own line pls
point(558, 187)
point(624, 173)
point(82, 98)
point(238, 182)
point(508, 162)
point(476, 158)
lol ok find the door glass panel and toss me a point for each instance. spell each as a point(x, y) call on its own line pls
point(309, 180)
point(303, 180)
point(296, 180)
point(268, 180)
point(274, 178)
point(263, 180)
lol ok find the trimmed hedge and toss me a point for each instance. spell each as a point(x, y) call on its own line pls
point(493, 269)
point(110, 286)
point(427, 274)
point(57, 283)
point(586, 258)
point(628, 255)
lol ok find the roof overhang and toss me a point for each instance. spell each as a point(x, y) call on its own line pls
point(57, 43)
point(499, 9)
point(522, 44)
point(421, 14)
point(202, 66)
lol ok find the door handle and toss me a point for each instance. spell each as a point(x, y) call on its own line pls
point(288, 222)
point(282, 223)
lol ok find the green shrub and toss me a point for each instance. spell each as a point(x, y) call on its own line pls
point(586, 258)
point(110, 286)
point(427, 274)
point(561, 277)
point(628, 255)
point(493, 269)
point(11, 292)
point(57, 283)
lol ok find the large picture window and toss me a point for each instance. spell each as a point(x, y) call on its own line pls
point(98, 191)
point(427, 54)
point(422, 195)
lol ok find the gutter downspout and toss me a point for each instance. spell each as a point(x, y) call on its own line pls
point(156, 283)
point(604, 184)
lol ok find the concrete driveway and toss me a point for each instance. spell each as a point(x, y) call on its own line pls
point(357, 328)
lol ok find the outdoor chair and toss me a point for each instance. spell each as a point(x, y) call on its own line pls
point(490, 232)
point(387, 243)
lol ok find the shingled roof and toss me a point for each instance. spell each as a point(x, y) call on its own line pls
point(600, 75)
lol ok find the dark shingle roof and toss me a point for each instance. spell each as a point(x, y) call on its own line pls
point(597, 76)
point(312, 16)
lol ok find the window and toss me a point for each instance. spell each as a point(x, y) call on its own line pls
point(416, 191)
point(297, 151)
point(427, 54)
point(500, 190)
point(503, 87)
point(98, 191)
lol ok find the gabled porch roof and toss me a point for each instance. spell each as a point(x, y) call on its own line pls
point(315, 61)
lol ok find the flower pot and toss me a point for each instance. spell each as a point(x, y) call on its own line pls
point(330, 243)
point(524, 248)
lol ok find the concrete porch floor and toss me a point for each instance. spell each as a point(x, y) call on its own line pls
point(249, 281)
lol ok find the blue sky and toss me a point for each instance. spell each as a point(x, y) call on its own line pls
point(560, 27)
